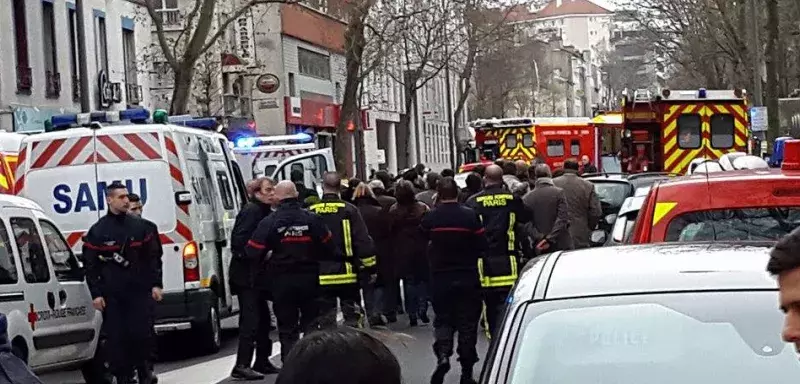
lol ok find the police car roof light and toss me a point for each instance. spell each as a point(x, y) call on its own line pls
point(246, 142)
point(135, 115)
point(207, 123)
point(112, 116)
point(791, 155)
point(297, 137)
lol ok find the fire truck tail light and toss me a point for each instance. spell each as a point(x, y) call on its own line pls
point(791, 155)
point(191, 270)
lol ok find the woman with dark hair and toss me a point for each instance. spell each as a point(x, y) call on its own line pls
point(342, 356)
point(410, 256)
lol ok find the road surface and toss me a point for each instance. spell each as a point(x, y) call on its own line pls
point(412, 346)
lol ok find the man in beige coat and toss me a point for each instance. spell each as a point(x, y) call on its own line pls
point(582, 203)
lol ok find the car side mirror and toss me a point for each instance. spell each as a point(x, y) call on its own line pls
point(598, 237)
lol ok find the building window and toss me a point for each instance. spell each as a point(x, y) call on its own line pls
point(292, 89)
point(73, 54)
point(52, 76)
point(131, 74)
point(24, 79)
point(314, 64)
point(101, 41)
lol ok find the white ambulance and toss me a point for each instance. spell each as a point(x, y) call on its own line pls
point(279, 156)
point(187, 178)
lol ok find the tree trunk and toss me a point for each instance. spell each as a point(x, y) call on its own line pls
point(354, 52)
point(182, 90)
point(771, 57)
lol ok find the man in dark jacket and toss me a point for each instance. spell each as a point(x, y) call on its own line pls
point(248, 280)
point(123, 271)
point(292, 243)
point(303, 192)
point(12, 369)
point(550, 225)
point(457, 241)
point(502, 213)
point(340, 280)
point(582, 204)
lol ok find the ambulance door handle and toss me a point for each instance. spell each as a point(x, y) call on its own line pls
point(51, 299)
point(62, 295)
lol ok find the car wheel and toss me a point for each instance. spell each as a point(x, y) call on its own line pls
point(209, 333)
point(19, 351)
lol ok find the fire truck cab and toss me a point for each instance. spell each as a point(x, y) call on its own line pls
point(668, 131)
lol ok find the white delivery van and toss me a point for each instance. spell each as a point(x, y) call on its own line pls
point(43, 293)
point(191, 187)
point(278, 156)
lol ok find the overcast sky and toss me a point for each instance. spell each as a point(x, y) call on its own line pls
point(607, 4)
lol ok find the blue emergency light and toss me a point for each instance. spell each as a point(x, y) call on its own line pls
point(207, 123)
point(252, 141)
point(246, 142)
point(135, 115)
point(701, 93)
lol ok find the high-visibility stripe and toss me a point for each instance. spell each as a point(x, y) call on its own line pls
point(499, 281)
point(512, 218)
point(348, 277)
point(348, 241)
point(369, 261)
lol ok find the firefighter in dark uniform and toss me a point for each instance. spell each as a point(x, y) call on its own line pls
point(501, 214)
point(123, 271)
point(341, 279)
point(248, 282)
point(457, 242)
point(292, 243)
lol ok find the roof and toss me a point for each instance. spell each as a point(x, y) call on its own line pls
point(556, 8)
point(571, 7)
point(731, 176)
point(116, 128)
point(11, 201)
point(659, 268)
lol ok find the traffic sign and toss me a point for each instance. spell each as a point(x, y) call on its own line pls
point(758, 119)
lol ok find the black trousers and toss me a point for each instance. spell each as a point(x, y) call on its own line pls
point(254, 322)
point(128, 323)
point(349, 296)
point(296, 304)
point(495, 301)
point(457, 309)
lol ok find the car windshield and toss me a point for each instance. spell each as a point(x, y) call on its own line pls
point(752, 224)
point(687, 338)
point(611, 193)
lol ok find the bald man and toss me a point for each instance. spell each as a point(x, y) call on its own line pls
point(351, 238)
point(293, 243)
point(502, 214)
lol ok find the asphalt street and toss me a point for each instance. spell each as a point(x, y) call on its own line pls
point(412, 346)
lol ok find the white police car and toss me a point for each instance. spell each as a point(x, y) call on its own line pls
point(43, 293)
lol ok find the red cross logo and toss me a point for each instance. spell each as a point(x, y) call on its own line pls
point(33, 317)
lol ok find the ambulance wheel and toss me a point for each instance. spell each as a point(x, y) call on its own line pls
point(19, 350)
point(209, 333)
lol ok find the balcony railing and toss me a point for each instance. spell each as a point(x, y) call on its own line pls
point(133, 94)
point(171, 18)
point(24, 79)
point(52, 84)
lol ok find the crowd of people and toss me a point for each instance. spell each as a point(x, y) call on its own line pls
point(404, 243)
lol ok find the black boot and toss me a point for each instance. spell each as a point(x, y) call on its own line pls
point(466, 375)
point(266, 368)
point(423, 317)
point(245, 373)
point(376, 321)
point(442, 367)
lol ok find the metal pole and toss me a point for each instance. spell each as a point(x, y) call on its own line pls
point(758, 93)
point(83, 68)
point(450, 128)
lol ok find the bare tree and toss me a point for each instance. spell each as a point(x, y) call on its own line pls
point(207, 92)
point(202, 27)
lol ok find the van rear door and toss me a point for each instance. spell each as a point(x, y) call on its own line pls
point(313, 164)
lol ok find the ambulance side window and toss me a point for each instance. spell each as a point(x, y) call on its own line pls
point(555, 148)
point(225, 189)
point(689, 131)
point(722, 131)
point(242, 189)
point(8, 266)
point(65, 264)
point(511, 140)
point(575, 147)
point(31, 251)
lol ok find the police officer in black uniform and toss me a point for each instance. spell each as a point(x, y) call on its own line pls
point(123, 271)
point(341, 279)
point(457, 241)
point(501, 213)
point(292, 242)
point(248, 281)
